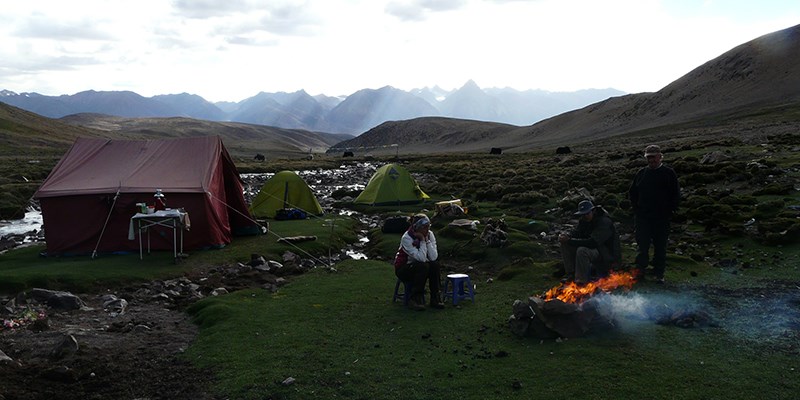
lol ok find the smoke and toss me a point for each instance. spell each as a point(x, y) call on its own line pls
point(763, 317)
point(767, 316)
point(664, 309)
point(631, 306)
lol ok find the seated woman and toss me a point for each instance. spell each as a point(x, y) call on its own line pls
point(417, 261)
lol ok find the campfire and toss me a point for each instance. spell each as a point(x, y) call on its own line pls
point(575, 293)
point(567, 310)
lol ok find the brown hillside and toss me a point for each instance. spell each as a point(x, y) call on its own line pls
point(754, 88)
point(759, 75)
point(419, 134)
point(25, 133)
point(241, 140)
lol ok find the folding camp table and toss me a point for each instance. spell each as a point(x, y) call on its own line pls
point(177, 220)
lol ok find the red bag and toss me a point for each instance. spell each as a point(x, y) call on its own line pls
point(401, 258)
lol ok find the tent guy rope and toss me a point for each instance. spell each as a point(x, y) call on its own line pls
point(268, 231)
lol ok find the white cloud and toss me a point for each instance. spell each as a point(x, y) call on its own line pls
point(418, 10)
point(230, 50)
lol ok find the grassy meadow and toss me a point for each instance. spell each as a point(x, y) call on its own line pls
point(734, 251)
point(24, 268)
point(340, 336)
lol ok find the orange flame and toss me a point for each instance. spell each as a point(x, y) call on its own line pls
point(574, 293)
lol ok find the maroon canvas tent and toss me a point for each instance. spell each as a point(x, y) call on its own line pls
point(98, 182)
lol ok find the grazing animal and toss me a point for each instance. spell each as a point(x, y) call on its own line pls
point(347, 154)
point(259, 157)
point(496, 150)
point(563, 150)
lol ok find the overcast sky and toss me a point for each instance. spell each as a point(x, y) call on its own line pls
point(229, 50)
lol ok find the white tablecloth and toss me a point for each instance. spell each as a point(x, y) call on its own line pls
point(182, 217)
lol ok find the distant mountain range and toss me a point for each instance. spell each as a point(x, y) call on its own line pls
point(751, 91)
point(352, 115)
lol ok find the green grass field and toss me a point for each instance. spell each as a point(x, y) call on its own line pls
point(338, 335)
point(23, 268)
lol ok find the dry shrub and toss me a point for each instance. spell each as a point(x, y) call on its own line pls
point(529, 197)
point(775, 189)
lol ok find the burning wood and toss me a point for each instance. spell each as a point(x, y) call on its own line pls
point(566, 310)
point(575, 293)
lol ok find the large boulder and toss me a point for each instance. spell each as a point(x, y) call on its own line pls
point(56, 300)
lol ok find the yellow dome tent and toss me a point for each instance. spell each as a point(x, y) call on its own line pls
point(391, 185)
point(285, 189)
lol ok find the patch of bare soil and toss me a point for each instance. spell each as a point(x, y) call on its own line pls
point(133, 354)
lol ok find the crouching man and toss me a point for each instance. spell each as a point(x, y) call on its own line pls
point(594, 243)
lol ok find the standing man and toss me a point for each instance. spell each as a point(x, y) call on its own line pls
point(654, 196)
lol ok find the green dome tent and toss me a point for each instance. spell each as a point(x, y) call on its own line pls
point(285, 189)
point(391, 185)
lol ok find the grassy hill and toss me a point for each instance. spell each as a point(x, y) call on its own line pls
point(428, 135)
point(242, 140)
point(25, 134)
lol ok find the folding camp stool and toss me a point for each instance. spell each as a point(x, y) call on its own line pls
point(405, 294)
point(459, 287)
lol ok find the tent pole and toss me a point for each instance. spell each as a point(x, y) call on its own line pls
point(103, 231)
point(285, 194)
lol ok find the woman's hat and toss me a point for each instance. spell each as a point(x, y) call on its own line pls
point(420, 221)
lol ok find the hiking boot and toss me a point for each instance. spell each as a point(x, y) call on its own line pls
point(567, 278)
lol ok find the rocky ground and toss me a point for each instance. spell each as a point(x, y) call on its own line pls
point(133, 355)
point(121, 344)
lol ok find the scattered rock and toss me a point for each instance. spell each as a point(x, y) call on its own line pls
point(288, 381)
point(289, 257)
point(67, 347)
point(714, 157)
point(256, 260)
point(114, 305)
point(494, 234)
point(56, 300)
point(4, 358)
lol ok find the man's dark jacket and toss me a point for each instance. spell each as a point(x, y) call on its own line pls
point(655, 193)
point(601, 234)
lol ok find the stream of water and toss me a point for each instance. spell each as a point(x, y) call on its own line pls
point(31, 221)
